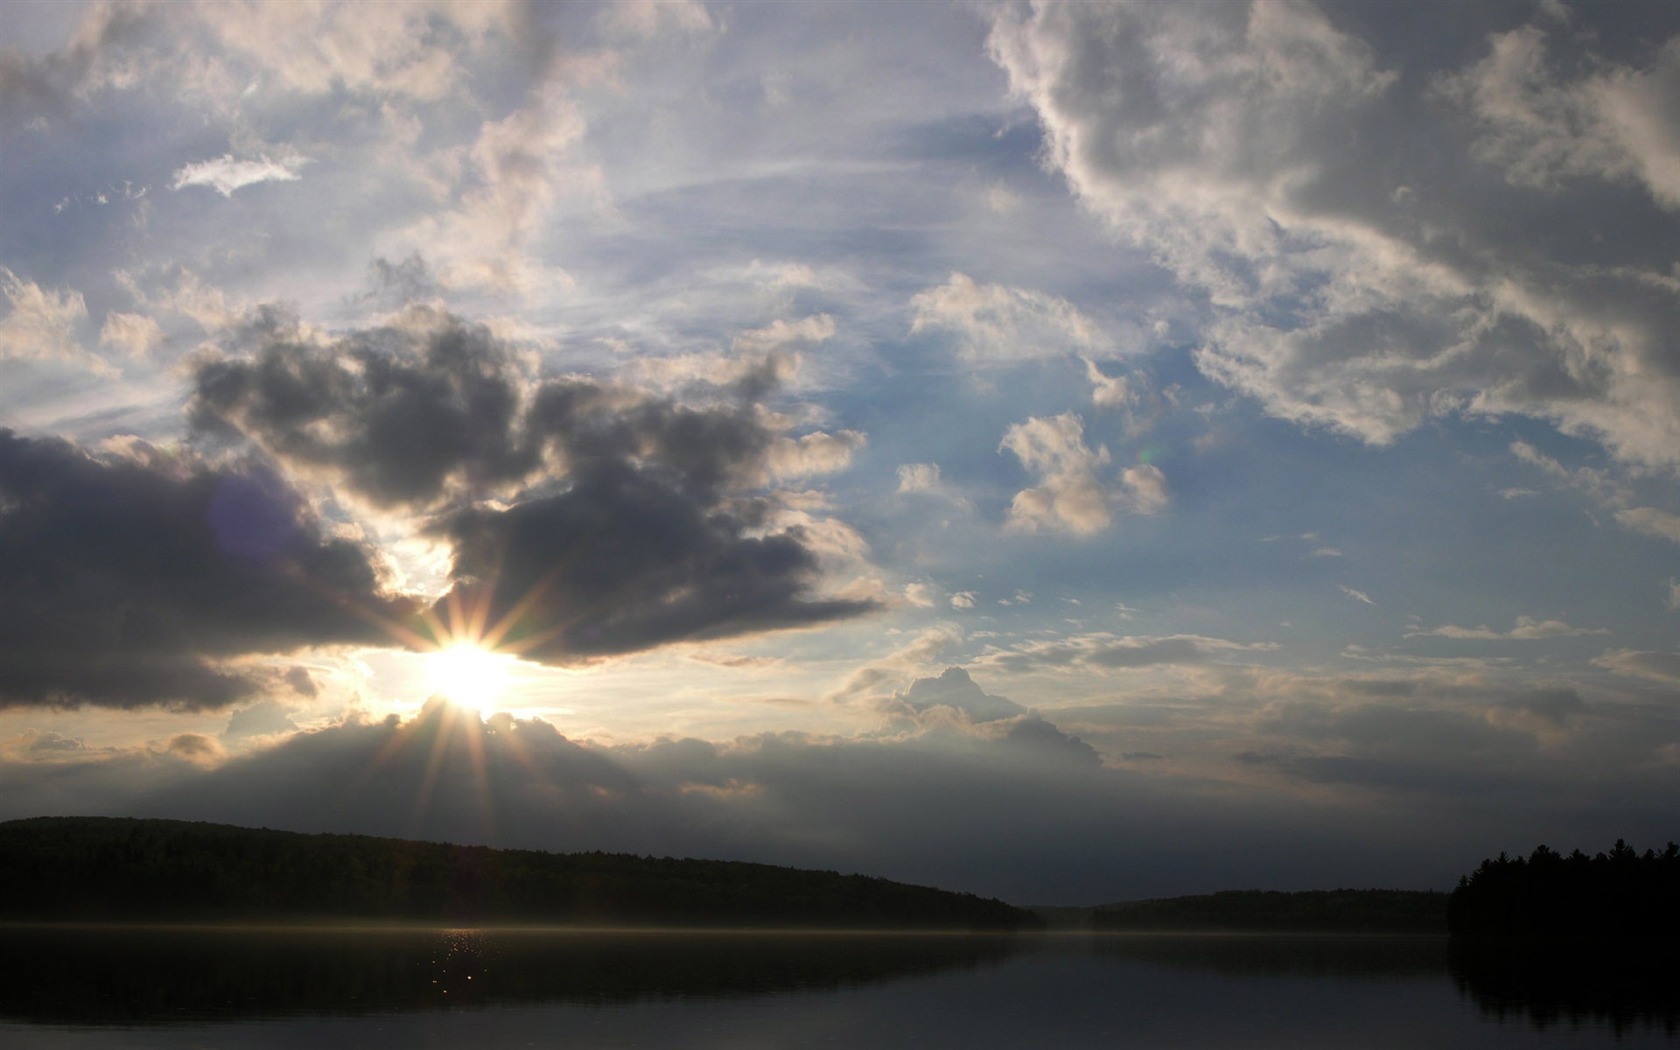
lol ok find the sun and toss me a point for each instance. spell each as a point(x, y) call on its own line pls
point(469, 675)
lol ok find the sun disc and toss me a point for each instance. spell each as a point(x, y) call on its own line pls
point(469, 675)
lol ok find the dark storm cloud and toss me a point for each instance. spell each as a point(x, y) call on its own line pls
point(623, 561)
point(123, 580)
point(402, 417)
point(625, 521)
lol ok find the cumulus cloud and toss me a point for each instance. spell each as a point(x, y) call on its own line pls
point(920, 595)
point(997, 324)
point(919, 477)
point(818, 453)
point(1144, 489)
point(402, 415)
point(1070, 494)
point(1107, 391)
point(620, 521)
point(130, 580)
point(956, 690)
point(224, 174)
point(1527, 629)
point(1216, 138)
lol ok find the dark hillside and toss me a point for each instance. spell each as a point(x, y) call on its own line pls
point(1339, 911)
point(91, 869)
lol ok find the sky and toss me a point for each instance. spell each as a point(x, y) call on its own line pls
point(1068, 452)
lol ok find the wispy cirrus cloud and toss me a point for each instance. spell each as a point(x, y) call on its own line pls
point(225, 174)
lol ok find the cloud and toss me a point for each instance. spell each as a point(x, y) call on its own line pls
point(919, 477)
point(266, 717)
point(1633, 663)
point(1527, 629)
point(1673, 601)
point(1069, 495)
point(134, 334)
point(129, 581)
point(809, 454)
point(402, 415)
point(1544, 129)
point(1144, 489)
point(621, 521)
point(964, 599)
point(998, 324)
point(224, 174)
point(956, 690)
point(378, 50)
point(1215, 139)
point(517, 173)
point(920, 595)
point(1358, 596)
point(623, 561)
point(1101, 652)
point(933, 702)
point(913, 806)
point(40, 325)
point(648, 18)
point(1651, 521)
point(780, 335)
point(1107, 391)
point(1603, 487)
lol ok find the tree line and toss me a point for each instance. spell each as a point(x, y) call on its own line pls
point(1319, 911)
point(92, 869)
point(1618, 894)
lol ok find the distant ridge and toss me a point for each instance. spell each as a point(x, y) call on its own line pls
point(1327, 911)
point(108, 869)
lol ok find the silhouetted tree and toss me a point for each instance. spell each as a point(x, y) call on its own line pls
point(1620, 894)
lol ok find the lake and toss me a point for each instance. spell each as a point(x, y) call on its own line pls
point(325, 989)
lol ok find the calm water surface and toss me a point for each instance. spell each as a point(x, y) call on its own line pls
point(329, 989)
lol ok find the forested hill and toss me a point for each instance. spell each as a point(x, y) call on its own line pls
point(1620, 894)
point(1342, 911)
point(122, 870)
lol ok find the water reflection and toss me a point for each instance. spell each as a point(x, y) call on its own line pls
point(1621, 985)
point(137, 977)
point(1308, 955)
